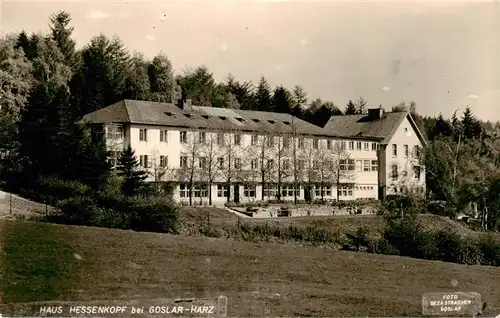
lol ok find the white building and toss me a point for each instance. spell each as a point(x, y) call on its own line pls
point(251, 155)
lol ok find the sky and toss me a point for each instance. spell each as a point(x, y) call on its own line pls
point(444, 55)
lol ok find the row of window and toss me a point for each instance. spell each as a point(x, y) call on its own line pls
point(201, 191)
point(406, 150)
point(286, 164)
point(395, 172)
point(270, 141)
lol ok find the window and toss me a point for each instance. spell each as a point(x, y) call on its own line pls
point(286, 164)
point(202, 137)
point(270, 190)
point(183, 137)
point(144, 161)
point(270, 163)
point(315, 164)
point(143, 134)
point(351, 145)
point(286, 142)
point(325, 191)
point(394, 172)
point(394, 150)
point(345, 190)
point(113, 157)
point(220, 139)
point(301, 143)
point(366, 165)
point(416, 172)
point(114, 132)
point(201, 191)
point(358, 145)
point(374, 165)
point(249, 191)
point(255, 140)
point(270, 141)
point(184, 162)
point(288, 191)
point(222, 191)
point(374, 146)
point(343, 164)
point(359, 165)
point(315, 143)
point(350, 164)
point(366, 146)
point(405, 147)
point(328, 144)
point(237, 163)
point(184, 191)
point(416, 151)
point(163, 135)
point(220, 162)
point(202, 162)
point(254, 164)
point(237, 139)
point(342, 145)
point(163, 161)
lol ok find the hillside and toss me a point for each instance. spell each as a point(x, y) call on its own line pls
point(39, 263)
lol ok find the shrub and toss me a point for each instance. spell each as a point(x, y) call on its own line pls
point(448, 246)
point(490, 249)
point(358, 239)
point(408, 237)
point(155, 215)
point(381, 246)
point(53, 189)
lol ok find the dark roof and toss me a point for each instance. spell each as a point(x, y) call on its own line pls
point(166, 114)
point(364, 126)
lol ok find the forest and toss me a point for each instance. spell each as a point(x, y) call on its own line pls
point(47, 85)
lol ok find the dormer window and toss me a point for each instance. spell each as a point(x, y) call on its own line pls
point(170, 114)
point(205, 116)
point(256, 120)
point(271, 121)
point(286, 123)
point(240, 120)
point(222, 117)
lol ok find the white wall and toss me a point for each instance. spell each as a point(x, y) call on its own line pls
point(404, 135)
point(366, 181)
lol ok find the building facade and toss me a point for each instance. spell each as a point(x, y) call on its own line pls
point(214, 155)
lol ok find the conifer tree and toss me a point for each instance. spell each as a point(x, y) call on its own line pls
point(350, 109)
point(129, 169)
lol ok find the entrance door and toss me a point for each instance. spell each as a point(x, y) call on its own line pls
point(237, 193)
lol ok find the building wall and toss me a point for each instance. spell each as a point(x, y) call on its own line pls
point(364, 183)
point(404, 135)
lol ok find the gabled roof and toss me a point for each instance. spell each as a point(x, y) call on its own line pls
point(167, 114)
point(364, 126)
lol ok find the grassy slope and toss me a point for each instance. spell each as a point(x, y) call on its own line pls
point(194, 216)
point(37, 263)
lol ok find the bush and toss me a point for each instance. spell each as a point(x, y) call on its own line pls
point(490, 250)
point(53, 189)
point(408, 237)
point(155, 215)
point(381, 246)
point(448, 246)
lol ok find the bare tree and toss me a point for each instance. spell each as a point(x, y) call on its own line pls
point(325, 159)
point(265, 144)
point(160, 170)
point(189, 155)
point(281, 152)
point(343, 165)
point(228, 141)
point(307, 159)
point(209, 165)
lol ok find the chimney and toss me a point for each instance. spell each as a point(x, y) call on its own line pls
point(180, 103)
point(375, 113)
